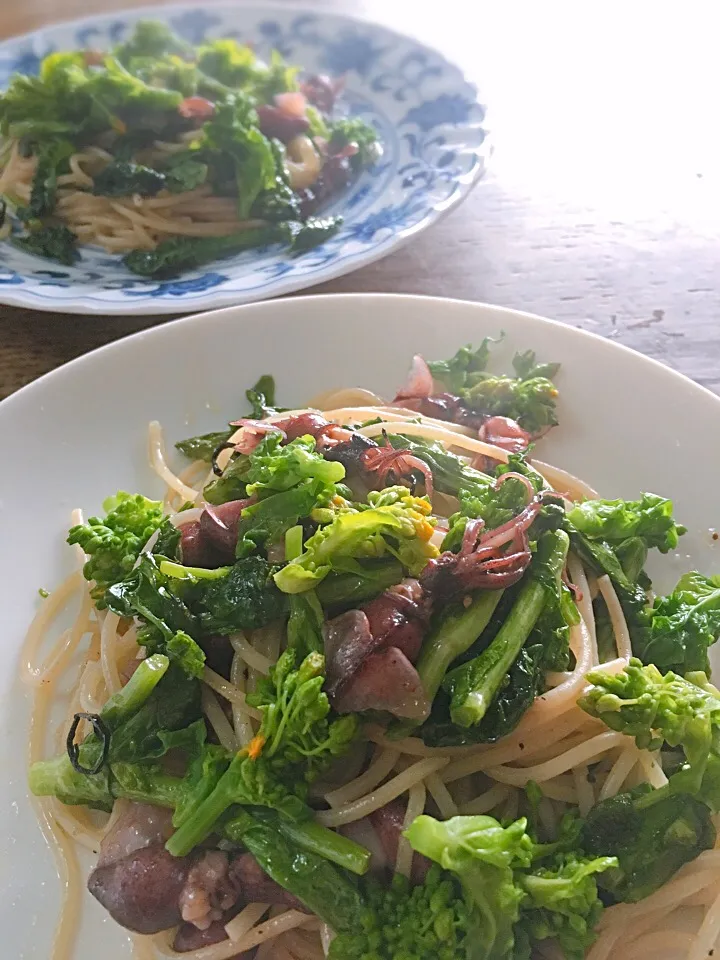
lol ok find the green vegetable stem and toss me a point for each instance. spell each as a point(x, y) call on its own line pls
point(474, 685)
point(451, 638)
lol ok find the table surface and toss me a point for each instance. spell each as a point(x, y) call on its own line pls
point(602, 205)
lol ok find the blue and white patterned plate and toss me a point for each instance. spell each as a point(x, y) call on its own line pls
point(429, 120)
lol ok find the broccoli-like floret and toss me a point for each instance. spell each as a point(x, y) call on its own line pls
point(483, 855)
point(295, 744)
point(657, 710)
point(426, 922)
point(488, 902)
point(392, 523)
point(114, 542)
point(228, 61)
point(274, 467)
point(530, 402)
point(529, 397)
point(455, 372)
point(561, 902)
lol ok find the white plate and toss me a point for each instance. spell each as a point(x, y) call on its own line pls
point(627, 424)
point(428, 119)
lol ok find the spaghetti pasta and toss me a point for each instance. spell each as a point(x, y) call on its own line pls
point(148, 153)
point(573, 760)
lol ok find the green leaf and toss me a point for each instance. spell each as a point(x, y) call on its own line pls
point(451, 474)
point(54, 243)
point(679, 628)
point(52, 160)
point(327, 891)
point(526, 367)
point(561, 903)
point(245, 599)
point(172, 706)
point(353, 130)
point(295, 744)
point(650, 519)
point(652, 834)
point(203, 446)
point(261, 398)
point(233, 131)
point(394, 523)
point(182, 253)
point(185, 172)
point(313, 232)
point(266, 522)
point(368, 579)
point(453, 373)
point(158, 710)
point(228, 61)
point(120, 93)
point(152, 38)
point(524, 681)
point(278, 77)
point(122, 178)
point(183, 650)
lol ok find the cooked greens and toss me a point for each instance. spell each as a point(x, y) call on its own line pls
point(529, 397)
point(114, 542)
point(391, 523)
point(295, 743)
point(162, 117)
point(474, 686)
point(312, 620)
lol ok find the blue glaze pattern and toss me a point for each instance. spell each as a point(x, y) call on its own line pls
point(428, 117)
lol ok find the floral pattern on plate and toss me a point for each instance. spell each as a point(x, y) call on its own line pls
point(428, 117)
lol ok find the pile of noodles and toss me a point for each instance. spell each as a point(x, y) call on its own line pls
point(574, 758)
point(121, 224)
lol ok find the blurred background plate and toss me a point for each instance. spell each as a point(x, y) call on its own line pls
point(427, 114)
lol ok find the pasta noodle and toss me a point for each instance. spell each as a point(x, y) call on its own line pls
point(383, 795)
point(443, 434)
point(442, 797)
point(173, 160)
point(573, 758)
point(577, 575)
point(219, 722)
point(375, 774)
point(617, 617)
point(129, 223)
point(415, 806)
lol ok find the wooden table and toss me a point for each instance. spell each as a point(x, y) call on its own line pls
point(602, 207)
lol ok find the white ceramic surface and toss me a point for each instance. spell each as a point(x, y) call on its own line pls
point(78, 434)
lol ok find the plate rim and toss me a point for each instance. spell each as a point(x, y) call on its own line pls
point(70, 367)
point(232, 323)
point(211, 300)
